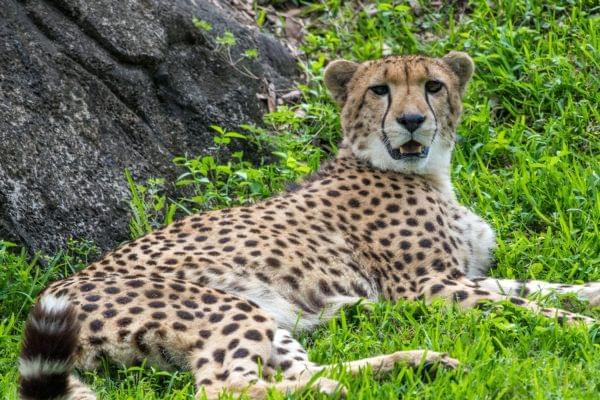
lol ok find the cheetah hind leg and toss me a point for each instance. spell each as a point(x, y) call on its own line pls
point(290, 357)
point(241, 376)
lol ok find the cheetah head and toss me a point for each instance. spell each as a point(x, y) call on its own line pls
point(400, 113)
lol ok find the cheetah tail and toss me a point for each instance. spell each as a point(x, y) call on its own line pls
point(50, 341)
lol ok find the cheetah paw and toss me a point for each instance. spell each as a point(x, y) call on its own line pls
point(330, 386)
point(591, 292)
point(433, 358)
point(594, 300)
point(578, 318)
point(427, 358)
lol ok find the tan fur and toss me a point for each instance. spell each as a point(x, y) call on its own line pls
point(367, 226)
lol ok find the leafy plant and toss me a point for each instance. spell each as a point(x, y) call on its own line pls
point(223, 44)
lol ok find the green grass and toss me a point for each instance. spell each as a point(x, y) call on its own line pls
point(528, 163)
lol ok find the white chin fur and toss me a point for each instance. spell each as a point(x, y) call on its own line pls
point(436, 164)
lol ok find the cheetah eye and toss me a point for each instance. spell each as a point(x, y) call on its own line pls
point(433, 86)
point(380, 90)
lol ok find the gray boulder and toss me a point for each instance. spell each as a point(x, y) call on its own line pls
point(91, 88)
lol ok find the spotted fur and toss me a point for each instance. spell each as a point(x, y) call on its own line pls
point(217, 293)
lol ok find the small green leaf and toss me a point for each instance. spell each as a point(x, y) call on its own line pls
point(201, 24)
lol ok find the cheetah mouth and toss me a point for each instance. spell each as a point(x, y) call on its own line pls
point(409, 150)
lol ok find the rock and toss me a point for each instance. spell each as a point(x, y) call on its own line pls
point(89, 89)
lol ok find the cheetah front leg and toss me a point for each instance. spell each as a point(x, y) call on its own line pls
point(589, 291)
point(291, 359)
point(468, 293)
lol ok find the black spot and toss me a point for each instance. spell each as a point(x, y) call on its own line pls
point(460, 295)
point(429, 227)
point(517, 301)
point(178, 326)
point(436, 288)
point(138, 339)
point(185, 315)
point(208, 299)
point(96, 341)
point(223, 376)
point(219, 355)
point(201, 362)
point(109, 313)
point(123, 300)
point(233, 344)
point(153, 294)
point(215, 317)
point(239, 317)
point(438, 265)
point(205, 334)
point(112, 290)
point(291, 281)
point(253, 334)
point(159, 315)
point(89, 307)
point(324, 287)
point(230, 328)
point(96, 325)
point(240, 260)
point(123, 322)
point(244, 307)
point(425, 243)
point(87, 287)
point(135, 283)
point(190, 304)
point(241, 353)
point(392, 208)
point(273, 262)
point(177, 287)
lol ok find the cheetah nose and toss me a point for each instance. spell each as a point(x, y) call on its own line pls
point(411, 121)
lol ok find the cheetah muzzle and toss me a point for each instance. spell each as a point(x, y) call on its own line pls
point(409, 150)
point(217, 293)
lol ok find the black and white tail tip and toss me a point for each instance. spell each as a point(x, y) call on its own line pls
point(49, 343)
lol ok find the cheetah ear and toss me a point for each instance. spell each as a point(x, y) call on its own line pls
point(462, 65)
point(337, 75)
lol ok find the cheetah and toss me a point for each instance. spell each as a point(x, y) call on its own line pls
point(172, 324)
point(218, 293)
